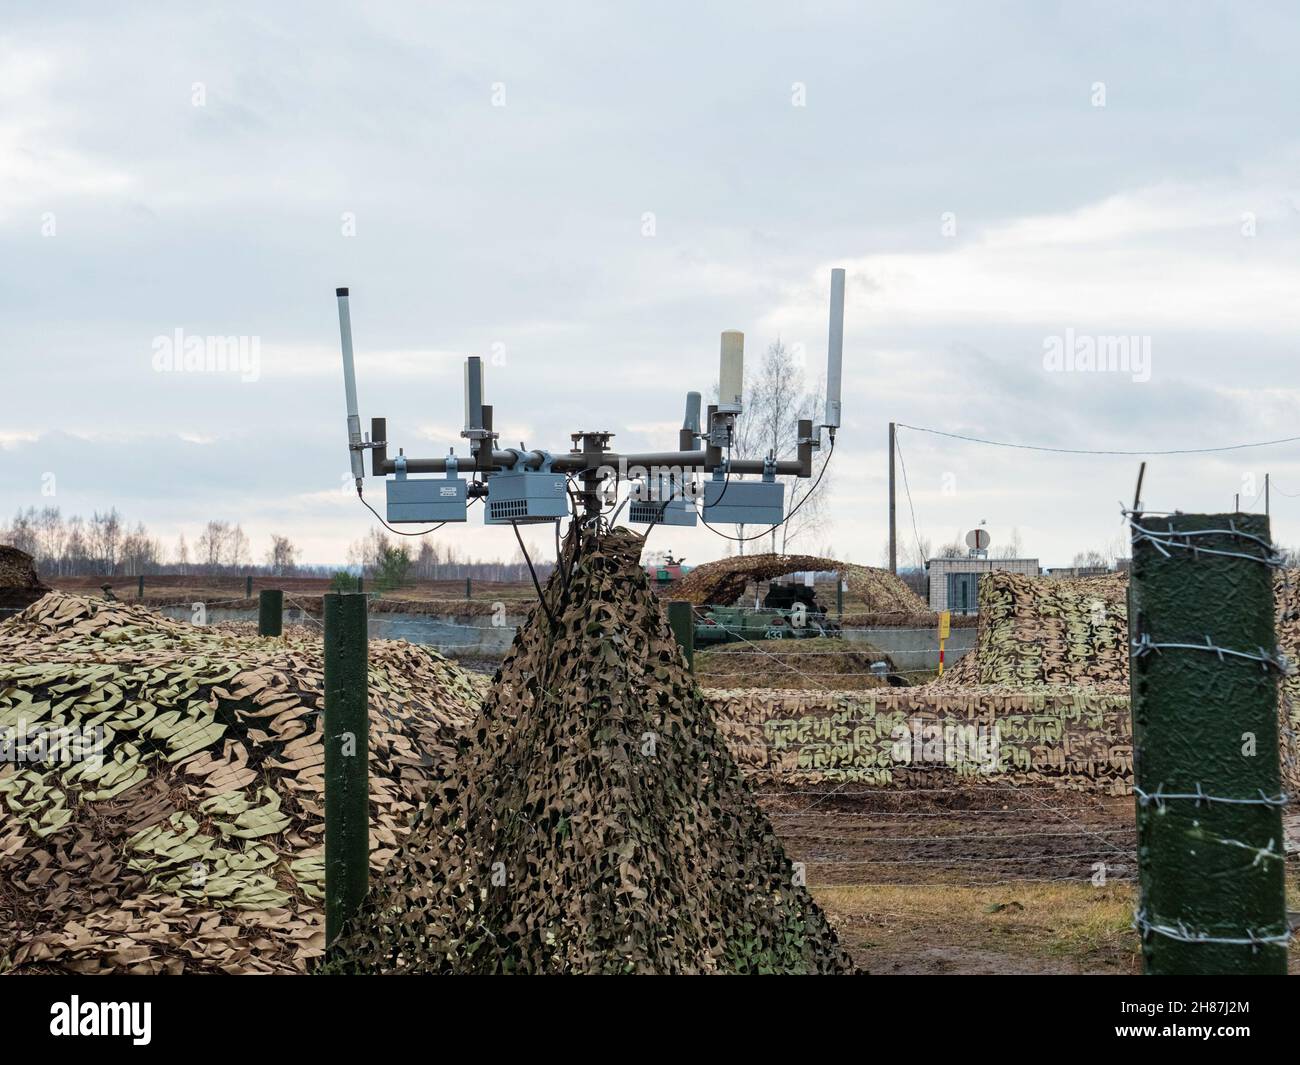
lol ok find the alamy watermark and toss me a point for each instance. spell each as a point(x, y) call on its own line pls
point(918, 743)
point(1086, 353)
point(188, 353)
point(77, 1018)
point(653, 484)
point(51, 744)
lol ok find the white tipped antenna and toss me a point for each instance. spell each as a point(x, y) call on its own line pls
point(691, 420)
point(473, 397)
point(350, 389)
point(731, 373)
point(835, 350)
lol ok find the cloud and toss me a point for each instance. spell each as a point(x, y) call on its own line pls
point(518, 232)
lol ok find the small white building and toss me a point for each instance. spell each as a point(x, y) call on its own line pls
point(954, 582)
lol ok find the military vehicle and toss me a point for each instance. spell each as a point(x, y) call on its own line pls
point(790, 611)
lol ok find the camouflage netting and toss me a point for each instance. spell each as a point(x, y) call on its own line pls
point(1043, 630)
point(1038, 632)
point(595, 821)
point(1072, 738)
point(19, 584)
point(197, 844)
point(876, 591)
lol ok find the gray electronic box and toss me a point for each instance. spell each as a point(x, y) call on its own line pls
point(526, 496)
point(678, 510)
point(426, 498)
point(675, 512)
point(738, 502)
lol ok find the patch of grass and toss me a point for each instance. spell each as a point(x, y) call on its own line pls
point(1030, 926)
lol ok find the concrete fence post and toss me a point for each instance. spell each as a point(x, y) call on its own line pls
point(682, 619)
point(347, 779)
point(270, 612)
point(1204, 690)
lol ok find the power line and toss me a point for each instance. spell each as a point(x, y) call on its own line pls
point(1089, 451)
point(920, 551)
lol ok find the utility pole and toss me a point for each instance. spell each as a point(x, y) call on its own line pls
point(1266, 495)
point(893, 531)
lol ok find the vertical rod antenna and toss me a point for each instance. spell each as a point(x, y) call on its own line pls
point(350, 389)
point(835, 351)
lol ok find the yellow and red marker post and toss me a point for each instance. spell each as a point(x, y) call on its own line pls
point(945, 621)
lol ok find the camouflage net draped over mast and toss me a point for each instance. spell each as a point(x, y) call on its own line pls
point(593, 820)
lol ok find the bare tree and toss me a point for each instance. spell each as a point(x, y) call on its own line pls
point(427, 560)
point(220, 546)
point(282, 557)
point(22, 533)
point(369, 551)
point(1013, 548)
point(104, 540)
point(209, 545)
point(140, 553)
point(76, 550)
point(954, 548)
point(51, 535)
point(806, 509)
point(911, 553)
point(775, 400)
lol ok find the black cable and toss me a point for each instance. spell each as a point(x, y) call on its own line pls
point(664, 505)
point(659, 520)
point(727, 481)
point(793, 511)
point(920, 552)
point(560, 564)
point(540, 598)
point(396, 532)
point(401, 532)
point(579, 473)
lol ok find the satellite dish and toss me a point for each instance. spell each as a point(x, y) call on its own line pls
point(978, 539)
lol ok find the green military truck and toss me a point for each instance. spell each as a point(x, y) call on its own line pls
point(789, 612)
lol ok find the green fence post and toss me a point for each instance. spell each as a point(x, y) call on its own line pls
point(682, 619)
point(360, 584)
point(839, 595)
point(1205, 745)
point(469, 591)
point(347, 783)
point(139, 589)
point(270, 612)
point(248, 587)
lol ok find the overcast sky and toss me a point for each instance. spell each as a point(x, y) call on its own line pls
point(997, 179)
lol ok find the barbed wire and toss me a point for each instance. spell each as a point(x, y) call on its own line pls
point(1181, 539)
point(1144, 645)
point(1160, 797)
point(1182, 934)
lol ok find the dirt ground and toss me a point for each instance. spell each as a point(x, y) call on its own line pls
point(986, 880)
point(820, 663)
